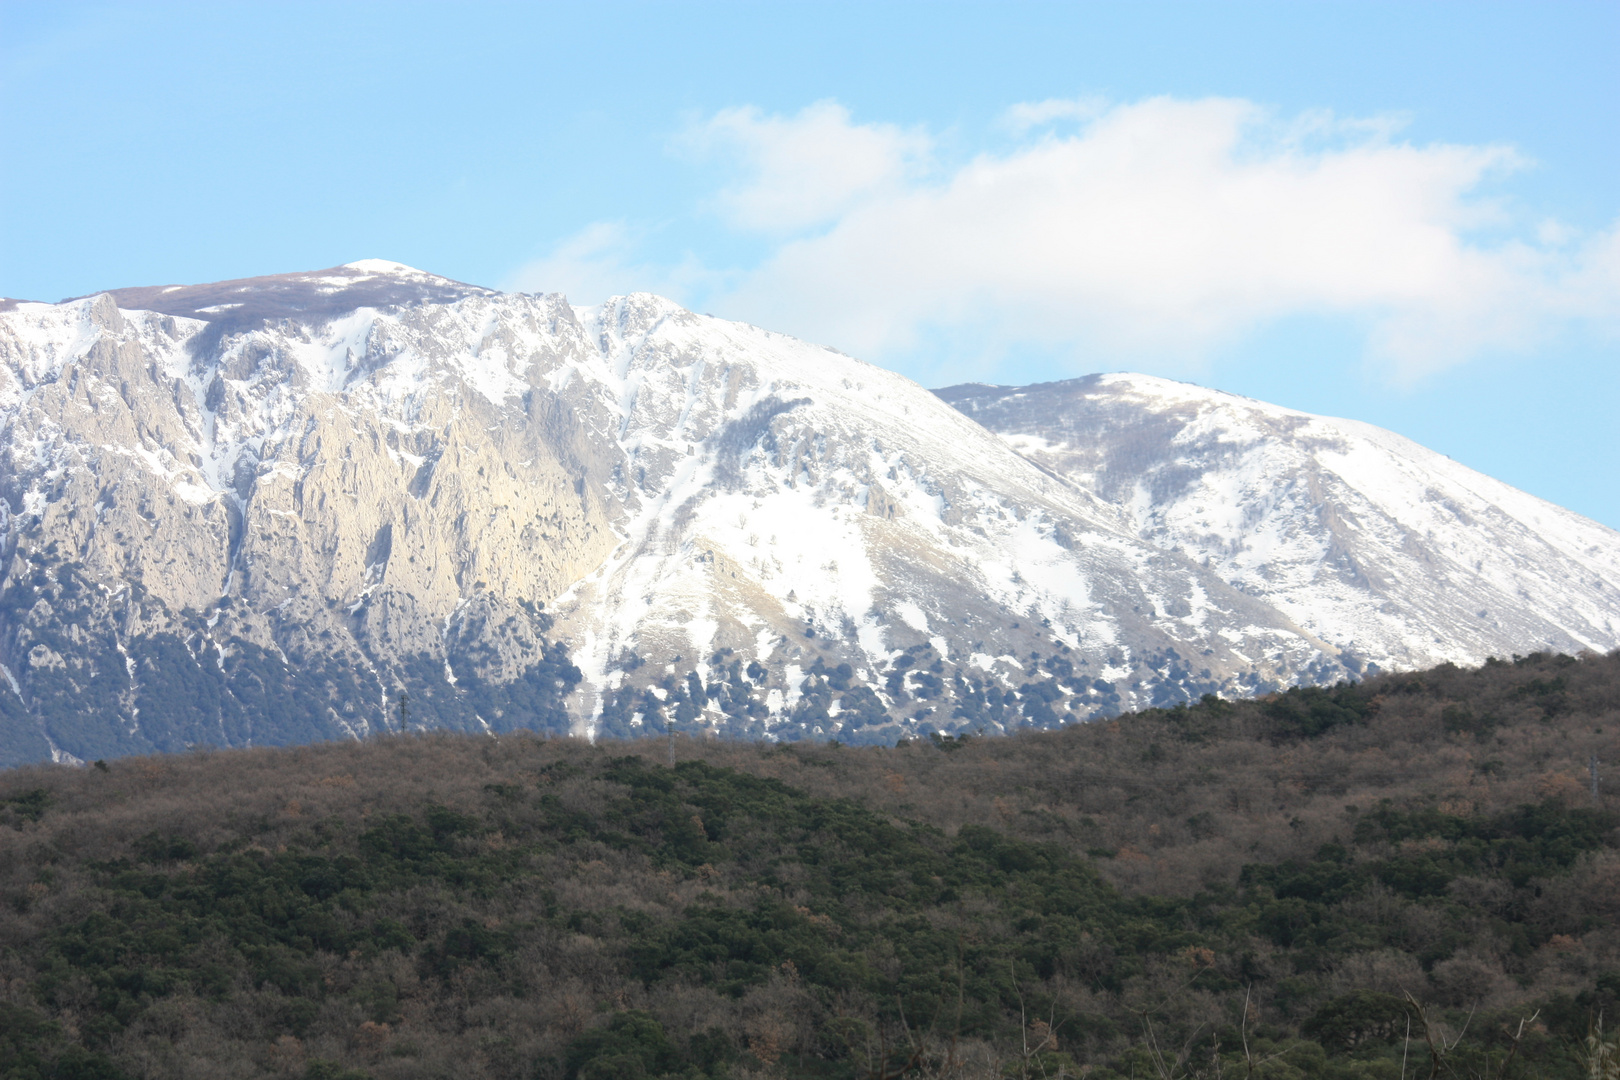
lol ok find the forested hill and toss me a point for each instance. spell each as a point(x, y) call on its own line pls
point(1403, 877)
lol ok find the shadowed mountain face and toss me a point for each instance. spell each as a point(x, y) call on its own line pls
point(320, 505)
point(1390, 551)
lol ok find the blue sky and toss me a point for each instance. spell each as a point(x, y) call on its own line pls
point(1403, 213)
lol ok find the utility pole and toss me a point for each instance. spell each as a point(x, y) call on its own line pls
point(670, 726)
point(1591, 767)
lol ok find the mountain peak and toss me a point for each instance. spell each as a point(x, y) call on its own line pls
point(385, 266)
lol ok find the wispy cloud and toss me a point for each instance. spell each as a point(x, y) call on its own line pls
point(804, 170)
point(1169, 227)
point(605, 259)
point(1024, 116)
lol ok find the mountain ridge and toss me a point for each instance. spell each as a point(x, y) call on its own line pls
point(273, 521)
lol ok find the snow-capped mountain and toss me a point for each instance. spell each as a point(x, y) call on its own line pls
point(790, 505)
point(1392, 552)
point(324, 504)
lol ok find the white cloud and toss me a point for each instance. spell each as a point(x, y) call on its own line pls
point(1166, 228)
point(807, 169)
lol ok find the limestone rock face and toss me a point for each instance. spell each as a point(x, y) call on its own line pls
point(323, 505)
point(351, 492)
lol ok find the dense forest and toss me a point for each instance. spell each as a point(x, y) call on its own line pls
point(1405, 877)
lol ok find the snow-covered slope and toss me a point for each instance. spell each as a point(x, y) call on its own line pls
point(269, 510)
point(1392, 552)
point(787, 502)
